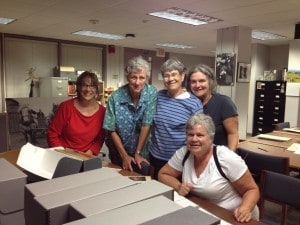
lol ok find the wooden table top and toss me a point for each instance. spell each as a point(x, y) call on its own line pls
point(220, 212)
point(275, 148)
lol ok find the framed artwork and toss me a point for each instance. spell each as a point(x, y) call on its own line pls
point(244, 72)
point(225, 68)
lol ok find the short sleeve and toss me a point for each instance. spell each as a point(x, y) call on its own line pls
point(231, 163)
point(176, 160)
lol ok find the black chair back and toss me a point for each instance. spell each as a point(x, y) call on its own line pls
point(280, 126)
point(281, 189)
point(257, 162)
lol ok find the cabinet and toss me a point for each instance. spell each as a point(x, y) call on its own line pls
point(53, 86)
point(107, 93)
point(269, 105)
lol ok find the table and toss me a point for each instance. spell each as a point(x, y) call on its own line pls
point(275, 148)
point(220, 212)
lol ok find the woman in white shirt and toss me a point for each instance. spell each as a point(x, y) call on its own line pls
point(230, 186)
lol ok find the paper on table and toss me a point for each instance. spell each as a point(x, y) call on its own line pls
point(296, 130)
point(273, 137)
point(294, 147)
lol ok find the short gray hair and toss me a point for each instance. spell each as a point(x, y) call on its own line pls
point(172, 64)
point(136, 64)
point(203, 120)
point(207, 71)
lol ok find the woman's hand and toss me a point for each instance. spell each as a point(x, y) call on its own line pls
point(242, 214)
point(184, 188)
point(139, 159)
point(126, 162)
point(89, 152)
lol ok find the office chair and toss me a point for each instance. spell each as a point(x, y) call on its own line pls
point(280, 189)
point(257, 162)
point(280, 126)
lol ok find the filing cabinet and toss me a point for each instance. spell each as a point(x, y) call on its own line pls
point(269, 106)
point(53, 86)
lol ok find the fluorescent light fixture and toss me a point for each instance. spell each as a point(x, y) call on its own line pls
point(184, 16)
point(260, 35)
point(99, 35)
point(5, 21)
point(173, 45)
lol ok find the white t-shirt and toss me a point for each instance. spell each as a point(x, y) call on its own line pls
point(211, 185)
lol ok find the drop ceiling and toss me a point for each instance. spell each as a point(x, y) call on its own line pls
point(57, 19)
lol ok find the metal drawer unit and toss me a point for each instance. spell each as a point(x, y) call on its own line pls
point(269, 105)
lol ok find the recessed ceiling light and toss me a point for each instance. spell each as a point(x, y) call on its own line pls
point(99, 35)
point(173, 45)
point(5, 21)
point(260, 35)
point(184, 16)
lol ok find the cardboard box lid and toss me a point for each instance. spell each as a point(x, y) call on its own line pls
point(12, 182)
point(132, 214)
point(125, 196)
point(192, 214)
point(44, 162)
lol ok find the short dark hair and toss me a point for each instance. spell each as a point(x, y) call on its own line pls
point(94, 80)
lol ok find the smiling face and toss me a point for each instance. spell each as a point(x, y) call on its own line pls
point(173, 81)
point(199, 85)
point(198, 140)
point(87, 90)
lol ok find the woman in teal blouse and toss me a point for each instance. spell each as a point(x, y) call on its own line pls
point(128, 118)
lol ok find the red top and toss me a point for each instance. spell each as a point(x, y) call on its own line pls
point(70, 129)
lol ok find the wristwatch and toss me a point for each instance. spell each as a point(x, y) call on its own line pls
point(138, 152)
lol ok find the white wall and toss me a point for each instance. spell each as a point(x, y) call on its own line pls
point(115, 68)
point(82, 57)
point(259, 63)
point(19, 56)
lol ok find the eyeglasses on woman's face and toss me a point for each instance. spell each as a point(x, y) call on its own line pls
point(168, 75)
point(88, 86)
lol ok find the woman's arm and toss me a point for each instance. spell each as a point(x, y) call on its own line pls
point(170, 177)
point(249, 191)
point(126, 159)
point(231, 126)
point(145, 130)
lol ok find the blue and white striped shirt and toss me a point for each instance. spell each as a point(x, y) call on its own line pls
point(169, 123)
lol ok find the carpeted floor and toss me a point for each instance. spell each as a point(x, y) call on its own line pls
point(273, 212)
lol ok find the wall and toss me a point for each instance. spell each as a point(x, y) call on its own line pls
point(279, 56)
point(259, 63)
point(20, 54)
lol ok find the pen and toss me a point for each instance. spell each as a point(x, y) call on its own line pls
point(262, 149)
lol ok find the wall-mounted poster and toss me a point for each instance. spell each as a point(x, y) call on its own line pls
point(244, 71)
point(225, 66)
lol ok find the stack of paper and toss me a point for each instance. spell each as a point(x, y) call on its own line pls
point(295, 147)
point(273, 137)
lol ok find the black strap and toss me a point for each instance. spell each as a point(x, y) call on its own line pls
point(215, 158)
point(185, 157)
point(218, 163)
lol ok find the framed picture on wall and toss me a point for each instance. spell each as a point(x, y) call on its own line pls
point(225, 64)
point(244, 72)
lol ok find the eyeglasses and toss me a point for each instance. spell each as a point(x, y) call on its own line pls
point(86, 86)
point(171, 75)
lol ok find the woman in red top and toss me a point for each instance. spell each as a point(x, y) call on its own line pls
point(77, 123)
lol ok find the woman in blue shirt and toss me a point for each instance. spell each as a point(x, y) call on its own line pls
point(128, 118)
point(174, 106)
